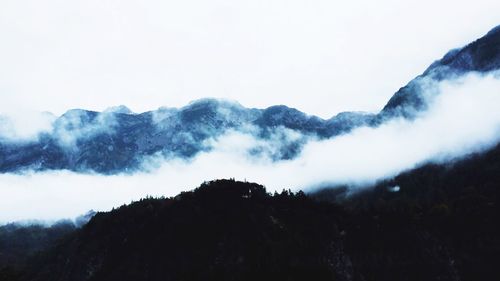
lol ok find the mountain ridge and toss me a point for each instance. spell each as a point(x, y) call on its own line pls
point(118, 140)
point(125, 138)
point(439, 225)
point(481, 55)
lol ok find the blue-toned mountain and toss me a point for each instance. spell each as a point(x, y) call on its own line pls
point(481, 56)
point(118, 140)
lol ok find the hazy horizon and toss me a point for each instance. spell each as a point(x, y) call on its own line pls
point(320, 58)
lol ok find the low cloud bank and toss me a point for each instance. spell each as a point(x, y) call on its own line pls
point(463, 119)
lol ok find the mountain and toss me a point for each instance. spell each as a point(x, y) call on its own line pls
point(482, 55)
point(118, 141)
point(223, 230)
point(19, 241)
point(439, 224)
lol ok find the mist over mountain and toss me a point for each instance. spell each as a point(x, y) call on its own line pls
point(482, 55)
point(439, 224)
point(411, 192)
point(118, 140)
point(97, 160)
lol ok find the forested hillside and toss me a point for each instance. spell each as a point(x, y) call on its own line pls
point(441, 224)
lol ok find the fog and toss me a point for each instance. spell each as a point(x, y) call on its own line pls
point(463, 118)
point(24, 125)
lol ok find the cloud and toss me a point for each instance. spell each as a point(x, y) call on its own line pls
point(24, 126)
point(76, 124)
point(462, 119)
point(27, 126)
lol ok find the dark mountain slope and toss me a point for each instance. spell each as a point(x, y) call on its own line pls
point(442, 224)
point(17, 242)
point(224, 230)
point(447, 213)
point(456, 207)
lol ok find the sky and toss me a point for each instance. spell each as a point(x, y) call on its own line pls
point(319, 56)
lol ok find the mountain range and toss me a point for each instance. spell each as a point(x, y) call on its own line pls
point(118, 140)
point(435, 222)
point(440, 224)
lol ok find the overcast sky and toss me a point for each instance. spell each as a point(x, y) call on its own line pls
point(319, 56)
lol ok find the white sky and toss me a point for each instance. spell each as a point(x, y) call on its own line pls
point(319, 56)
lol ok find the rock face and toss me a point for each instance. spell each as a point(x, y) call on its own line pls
point(116, 140)
point(482, 55)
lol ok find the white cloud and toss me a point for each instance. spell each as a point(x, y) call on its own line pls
point(25, 125)
point(75, 125)
point(319, 56)
point(462, 119)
